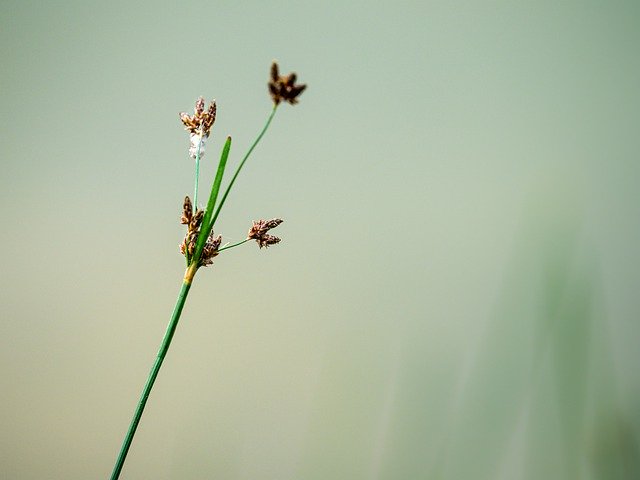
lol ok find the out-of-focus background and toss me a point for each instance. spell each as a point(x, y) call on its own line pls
point(456, 294)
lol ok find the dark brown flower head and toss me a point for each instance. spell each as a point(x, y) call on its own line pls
point(259, 229)
point(199, 126)
point(210, 249)
point(201, 121)
point(193, 222)
point(283, 87)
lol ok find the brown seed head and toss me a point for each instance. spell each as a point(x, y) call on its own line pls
point(201, 121)
point(283, 87)
point(259, 229)
point(193, 222)
point(210, 249)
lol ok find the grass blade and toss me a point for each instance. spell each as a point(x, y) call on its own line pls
point(207, 223)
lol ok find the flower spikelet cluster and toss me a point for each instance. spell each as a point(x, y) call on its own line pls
point(193, 223)
point(199, 125)
point(210, 249)
point(283, 87)
point(259, 229)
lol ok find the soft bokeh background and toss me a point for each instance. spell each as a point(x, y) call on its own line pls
point(456, 294)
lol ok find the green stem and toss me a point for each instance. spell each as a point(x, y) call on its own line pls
point(195, 190)
point(164, 346)
point(234, 245)
point(235, 175)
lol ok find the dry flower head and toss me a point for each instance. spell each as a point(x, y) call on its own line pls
point(193, 222)
point(259, 229)
point(199, 125)
point(210, 249)
point(283, 87)
point(201, 121)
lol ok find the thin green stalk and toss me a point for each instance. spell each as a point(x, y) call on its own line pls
point(235, 175)
point(234, 245)
point(164, 346)
point(195, 190)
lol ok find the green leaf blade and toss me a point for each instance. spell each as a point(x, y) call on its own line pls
point(207, 223)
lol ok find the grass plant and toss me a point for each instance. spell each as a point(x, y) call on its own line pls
point(200, 246)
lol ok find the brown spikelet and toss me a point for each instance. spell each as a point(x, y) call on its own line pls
point(187, 211)
point(269, 240)
point(199, 108)
point(210, 118)
point(273, 223)
point(196, 220)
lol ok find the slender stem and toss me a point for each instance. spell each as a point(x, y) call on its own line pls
point(235, 175)
point(234, 245)
point(195, 190)
point(164, 346)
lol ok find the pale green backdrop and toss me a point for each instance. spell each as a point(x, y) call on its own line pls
point(456, 295)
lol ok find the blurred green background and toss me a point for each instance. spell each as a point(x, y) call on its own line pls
point(457, 291)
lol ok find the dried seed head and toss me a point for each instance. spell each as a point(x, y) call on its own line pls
point(210, 249)
point(259, 229)
point(282, 87)
point(193, 222)
point(199, 125)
